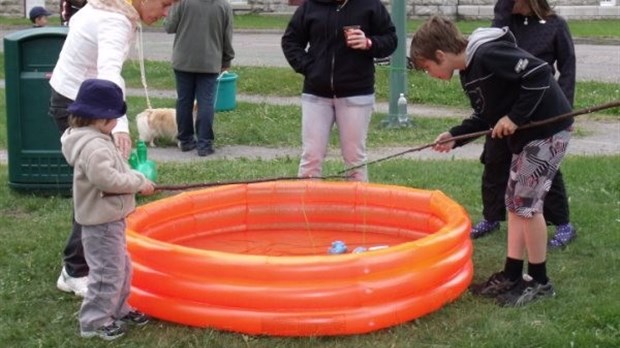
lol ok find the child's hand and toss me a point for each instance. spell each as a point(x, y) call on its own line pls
point(444, 147)
point(503, 128)
point(148, 188)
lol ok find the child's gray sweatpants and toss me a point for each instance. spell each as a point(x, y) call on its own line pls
point(109, 276)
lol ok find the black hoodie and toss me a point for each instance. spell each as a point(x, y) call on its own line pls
point(548, 39)
point(315, 47)
point(500, 80)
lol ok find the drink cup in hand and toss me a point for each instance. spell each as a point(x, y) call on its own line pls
point(348, 29)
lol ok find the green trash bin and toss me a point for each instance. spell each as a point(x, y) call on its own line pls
point(35, 161)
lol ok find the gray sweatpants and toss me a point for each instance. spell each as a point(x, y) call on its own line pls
point(109, 277)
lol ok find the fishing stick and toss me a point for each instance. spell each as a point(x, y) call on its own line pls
point(584, 111)
point(180, 187)
point(341, 174)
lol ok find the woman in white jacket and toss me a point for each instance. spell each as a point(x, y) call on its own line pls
point(96, 46)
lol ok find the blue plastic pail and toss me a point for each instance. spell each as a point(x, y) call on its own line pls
point(226, 92)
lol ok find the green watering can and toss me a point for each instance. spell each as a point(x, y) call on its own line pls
point(139, 161)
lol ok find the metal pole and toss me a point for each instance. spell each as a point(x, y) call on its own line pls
point(398, 65)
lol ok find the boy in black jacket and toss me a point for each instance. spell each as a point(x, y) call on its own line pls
point(545, 35)
point(508, 88)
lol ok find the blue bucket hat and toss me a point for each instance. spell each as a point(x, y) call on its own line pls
point(98, 99)
point(37, 11)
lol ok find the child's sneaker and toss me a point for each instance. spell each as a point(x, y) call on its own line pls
point(497, 284)
point(107, 332)
point(483, 228)
point(526, 292)
point(564, 234)
point(76, 285)
point(136, 318)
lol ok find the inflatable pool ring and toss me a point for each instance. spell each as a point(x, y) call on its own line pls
point(253, 258)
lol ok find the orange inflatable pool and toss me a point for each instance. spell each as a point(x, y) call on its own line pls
point(253, 258)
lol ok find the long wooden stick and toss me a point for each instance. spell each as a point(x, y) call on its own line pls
point(341, 174)
point(584, 111)
point(220, 183)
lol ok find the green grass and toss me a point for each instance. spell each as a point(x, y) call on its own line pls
point(279, 126)
point(605, 28)
point(25, 22)
point(584, 313)
point(578, 28)
point(421, 88)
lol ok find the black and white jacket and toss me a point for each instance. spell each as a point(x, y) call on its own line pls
point(501, 79)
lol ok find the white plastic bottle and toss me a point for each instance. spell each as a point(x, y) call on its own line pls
point(403, 118)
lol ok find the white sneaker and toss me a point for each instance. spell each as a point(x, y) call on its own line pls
point(67, 283)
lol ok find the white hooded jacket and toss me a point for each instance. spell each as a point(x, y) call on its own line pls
point(100, 35)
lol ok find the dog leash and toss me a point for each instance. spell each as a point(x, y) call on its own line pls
point(140, 47)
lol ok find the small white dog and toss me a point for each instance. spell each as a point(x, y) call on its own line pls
point(158, 123)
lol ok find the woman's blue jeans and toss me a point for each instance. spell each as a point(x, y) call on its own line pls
point(201, 88)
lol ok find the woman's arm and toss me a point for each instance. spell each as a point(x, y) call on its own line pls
point(382, 33)
point(113, 41)
point(502, 12)
point(171, 22)
point(295, 40)
point(565, 61)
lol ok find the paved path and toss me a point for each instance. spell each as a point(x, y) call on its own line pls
point(594, 62)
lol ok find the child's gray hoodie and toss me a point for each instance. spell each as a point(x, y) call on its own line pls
point(99, 168)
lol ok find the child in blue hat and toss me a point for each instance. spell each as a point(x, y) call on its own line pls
point(104, 188)
point(38, 16)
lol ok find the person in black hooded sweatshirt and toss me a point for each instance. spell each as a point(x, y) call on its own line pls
point(333, 45)
point(545, 35)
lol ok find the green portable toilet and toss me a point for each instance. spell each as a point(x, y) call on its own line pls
point(35, 161)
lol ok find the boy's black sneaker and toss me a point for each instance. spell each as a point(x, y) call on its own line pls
point(497, 284)
point(135, 318)
point(526, 292)
point(107, 332)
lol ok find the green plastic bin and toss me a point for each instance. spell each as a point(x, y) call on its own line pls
point(35, 161)
point(226, 98)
